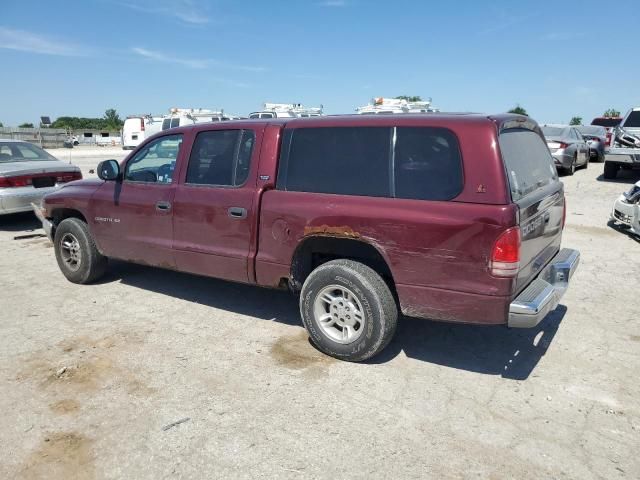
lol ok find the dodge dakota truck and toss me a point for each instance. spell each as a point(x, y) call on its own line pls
point(451, 217)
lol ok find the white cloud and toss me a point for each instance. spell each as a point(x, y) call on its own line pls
point(161, 57)
point(23, 41)
point(196, 63)
point(562, 36)
point(333, 3)
point(186, 11)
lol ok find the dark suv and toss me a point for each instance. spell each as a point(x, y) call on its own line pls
point(441, 216)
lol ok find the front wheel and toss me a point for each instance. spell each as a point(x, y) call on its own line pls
point(572, 168)
point(348, 310)
point(76, 252)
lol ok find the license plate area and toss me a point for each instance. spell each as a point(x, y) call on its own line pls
point(43, 182)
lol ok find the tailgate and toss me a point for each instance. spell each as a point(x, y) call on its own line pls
point(541, 218)
point(539, 195)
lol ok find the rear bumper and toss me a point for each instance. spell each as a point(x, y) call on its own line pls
point(544, 293)
point(15, 200)
point(47, 226)
point(562, 159)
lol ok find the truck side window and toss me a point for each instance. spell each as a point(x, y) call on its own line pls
point(156, 161)
point(427, 164)
point(221, 157)
point(339, 160)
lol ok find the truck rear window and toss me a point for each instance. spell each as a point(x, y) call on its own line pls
point(527, 160)
point(607, 121)
point(421, 163)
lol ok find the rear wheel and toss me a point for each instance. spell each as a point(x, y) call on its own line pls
point(348, 310)
point(610, 170)
point(76, 252)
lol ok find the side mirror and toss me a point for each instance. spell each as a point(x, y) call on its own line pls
point(109, 170)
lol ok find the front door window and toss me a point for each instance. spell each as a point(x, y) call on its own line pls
point(155, 162)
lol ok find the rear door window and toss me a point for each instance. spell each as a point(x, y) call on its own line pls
point(221, 158)
point(527, 160)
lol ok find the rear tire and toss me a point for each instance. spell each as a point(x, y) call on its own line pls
point(610, 170)
point(76, 252)
point(348, 310)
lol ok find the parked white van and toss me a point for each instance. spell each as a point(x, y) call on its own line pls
point(179, 117)
point(138, 127)
point(286, 110)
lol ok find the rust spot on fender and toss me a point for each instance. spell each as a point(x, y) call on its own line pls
point(343, 231)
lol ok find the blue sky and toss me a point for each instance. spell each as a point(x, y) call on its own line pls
point(79, 57)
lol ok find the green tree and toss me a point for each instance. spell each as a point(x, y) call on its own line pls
point(409, 98)
point(1, 125)
point(576, 121)
point(25, 125)
point(612, 112)
point(519, 110)
point(112, 119)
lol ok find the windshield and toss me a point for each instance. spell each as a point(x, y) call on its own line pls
point(591, 130)
point(553, 131)
point(633, 120)
point(22, 152)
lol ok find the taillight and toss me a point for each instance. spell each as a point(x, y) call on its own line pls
point(8, 182)
point(69, 177)
point(142, 124)
point(608, 140)
point(505, 257)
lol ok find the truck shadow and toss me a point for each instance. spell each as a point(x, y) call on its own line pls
point(20, 222)
point(623, 230)
point(511, 353)
point(624, 176)
point(490, 350)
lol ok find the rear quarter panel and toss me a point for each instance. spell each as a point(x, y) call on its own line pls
point(438, 252)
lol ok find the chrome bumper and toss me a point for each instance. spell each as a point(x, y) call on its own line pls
point(544, 293)
point(47, 226)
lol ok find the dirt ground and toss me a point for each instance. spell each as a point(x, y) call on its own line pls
point(154, 374)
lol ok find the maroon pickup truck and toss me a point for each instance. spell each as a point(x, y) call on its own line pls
point(452, 217)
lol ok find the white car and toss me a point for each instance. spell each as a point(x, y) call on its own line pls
point(28, 173)
point(626, 209)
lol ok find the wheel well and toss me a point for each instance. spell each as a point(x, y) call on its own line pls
point(317, 250)
point(61, 214)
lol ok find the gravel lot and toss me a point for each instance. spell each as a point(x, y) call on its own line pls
point(96, 378)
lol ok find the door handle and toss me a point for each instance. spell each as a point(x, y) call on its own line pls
point(163, 206)
point(237, 212)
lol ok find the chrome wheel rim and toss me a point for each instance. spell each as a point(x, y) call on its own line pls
point(339, 314)
point(70, 252)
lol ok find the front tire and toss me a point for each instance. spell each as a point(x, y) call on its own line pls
point(76, 252)
point(571, 169)
point(348, 310)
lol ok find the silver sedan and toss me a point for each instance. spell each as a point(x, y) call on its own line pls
point(568, 147)
point(27, 173)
